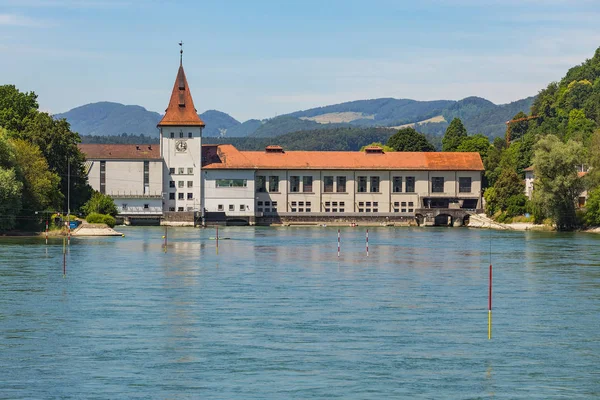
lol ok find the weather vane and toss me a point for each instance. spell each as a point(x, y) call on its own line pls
point(181, 52)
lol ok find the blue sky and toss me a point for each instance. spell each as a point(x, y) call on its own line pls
point(258, 59)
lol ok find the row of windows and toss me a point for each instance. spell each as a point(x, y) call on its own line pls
point(124, 206)
point(364, 184)
point(181, 184)
point(181, 171)
point(190, 134)
point(181, 209)
point(180, 196)
point(220, 207)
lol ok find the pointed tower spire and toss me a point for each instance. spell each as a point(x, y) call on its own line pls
point(181, 110)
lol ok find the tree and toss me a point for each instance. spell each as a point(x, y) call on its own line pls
point(455, 133)
point(15, 107)
point(408, 139)
point(592, 208)
point(476, 143)
point(579, 126)
point(508, 190)
point(557, 184)
point(517, 130)
point(40, 185)
point(10, 198)
point(101, 204)
point(385, 148)
point(492, 161)
point(58, 144)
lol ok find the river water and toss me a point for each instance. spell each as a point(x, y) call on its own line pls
point(277, 315)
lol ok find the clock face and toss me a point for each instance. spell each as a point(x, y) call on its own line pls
point(181, 145)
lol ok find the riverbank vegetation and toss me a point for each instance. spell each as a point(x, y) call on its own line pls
point(37, 155)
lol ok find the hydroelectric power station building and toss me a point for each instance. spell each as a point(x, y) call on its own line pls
point(181, 181)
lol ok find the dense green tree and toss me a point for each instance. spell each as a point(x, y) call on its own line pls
point(579, 127)
point(10, 198)
point(557, 184)
point(508, 190)
point(492, 161)
point(454, 135)
point(101, 204)
point(592, 208)
point(384, 147)
point(59, 146)
point(476, 143)
point(408, 139)
point(40, 185)
point(517, 130)
point(15, 107)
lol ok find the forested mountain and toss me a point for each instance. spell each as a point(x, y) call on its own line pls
point(479, 116)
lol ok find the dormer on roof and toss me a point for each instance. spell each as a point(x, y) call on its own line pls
point(181, 110)
point(373, 150)
point(273, 148)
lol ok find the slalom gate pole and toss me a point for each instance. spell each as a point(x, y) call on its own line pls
point(367, 243)
point(490, 306)
point(217, 239)
point(338, 243)
point(69, 233)
point(46, 231)
point(64, 258)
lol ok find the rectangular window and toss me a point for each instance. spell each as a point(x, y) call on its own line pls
point(361, 210)
point(242, 207)
point(301, 203)
point(294, 184)
point(259, 209)
point(171, 208)
point(180, 134)
point(190, 171)
point(220, 207)
point(328, 184)
point(232, 207)
point(124, 206)
point(437, 184)
point(327, 210)
point(293, 210)
point(294, 204)
point(190, 184)
point(308, 210)
point(342, 204)
point(171, 171)
point(367, 209)
point(464, 185)
point(403, 204)
point(361, 203)
point(375, 204)
point(404, 210)
point(180, 196)
point(190, 196)
point(334, 210)
point(397, 184)
point(308, 204)
point(180, 184)
point(171, 196)
point(362, 184)
point(231, 183)
point(179, 208)
point(172, 184)
point(180, 171)
point(410, 184)
point(261, 184)
point(103, 177)
point(411, 204)
point(307, 184)
point(334, 203)
point(341, 184)
point(327, 203)
point(190, 135)
point(368, 204)
point(146, 206)
point(267, 203)
point(301, 210)
point(374, 184)
point(341, 210)
point(172, 136)
point(259, 203)
point(273, 184)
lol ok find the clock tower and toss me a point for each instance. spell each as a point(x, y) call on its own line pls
point(181, 149)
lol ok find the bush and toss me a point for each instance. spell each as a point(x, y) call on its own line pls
point(592, 208)
point(96, 218)
point(100, 204)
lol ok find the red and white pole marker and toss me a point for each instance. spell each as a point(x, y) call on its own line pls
point(46, 231)
point(367, 243)
point(490, 306)
point(69, 233)
point(338, 242)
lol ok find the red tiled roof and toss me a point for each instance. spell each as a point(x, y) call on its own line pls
point(181, 111)
point(120, 151)
point(227, 156)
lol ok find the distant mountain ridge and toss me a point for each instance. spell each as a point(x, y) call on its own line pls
point(479, 116)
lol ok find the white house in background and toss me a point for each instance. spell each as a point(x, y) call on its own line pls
point(530, 178)
point(131, 174)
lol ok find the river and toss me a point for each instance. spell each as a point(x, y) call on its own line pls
point(277, 315)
